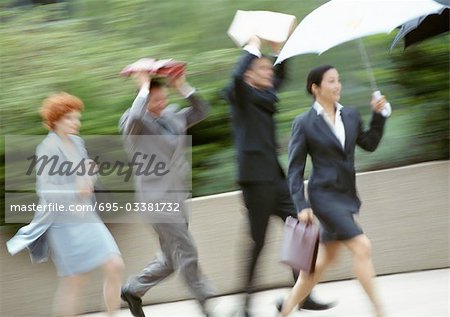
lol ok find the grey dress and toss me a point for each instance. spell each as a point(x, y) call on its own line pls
point(76, 243)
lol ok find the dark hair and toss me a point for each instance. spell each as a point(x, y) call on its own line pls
point(157, 83)
point(263, 56)
point(315, 76)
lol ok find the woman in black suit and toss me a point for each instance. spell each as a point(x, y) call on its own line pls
point(329, 133)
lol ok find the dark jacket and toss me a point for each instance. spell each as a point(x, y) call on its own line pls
point(331, 184)
point(254, 131)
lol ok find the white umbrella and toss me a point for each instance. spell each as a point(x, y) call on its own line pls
point(339, 21)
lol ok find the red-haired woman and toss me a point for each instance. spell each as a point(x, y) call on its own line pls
point(77, 242)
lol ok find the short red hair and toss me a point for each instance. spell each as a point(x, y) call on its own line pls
point(56, 106)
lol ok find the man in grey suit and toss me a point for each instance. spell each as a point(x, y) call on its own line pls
point(252, 95)
point(150, 126)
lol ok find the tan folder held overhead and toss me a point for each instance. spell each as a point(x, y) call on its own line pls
point(267, 25)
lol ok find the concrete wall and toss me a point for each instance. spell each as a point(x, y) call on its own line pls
point(405, 213)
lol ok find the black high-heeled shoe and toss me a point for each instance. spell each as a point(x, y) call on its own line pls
point(279, 304)
point(308, 304)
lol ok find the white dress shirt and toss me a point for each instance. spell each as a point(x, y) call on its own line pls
point(337, 126)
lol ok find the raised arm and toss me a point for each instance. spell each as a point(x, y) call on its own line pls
point(251, 52)
point(198, 108)
point(369, 139)
point(129, 121)
point(279, 69)
point(197, 111)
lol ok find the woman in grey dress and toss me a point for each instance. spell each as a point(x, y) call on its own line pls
point(77, 242)
point(329, 133)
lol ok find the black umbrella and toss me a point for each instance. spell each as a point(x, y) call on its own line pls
point(422, 28)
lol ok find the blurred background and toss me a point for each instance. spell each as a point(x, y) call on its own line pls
point(80, 46)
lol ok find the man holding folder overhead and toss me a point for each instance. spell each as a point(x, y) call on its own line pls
point(152, 127)
point(252, 95)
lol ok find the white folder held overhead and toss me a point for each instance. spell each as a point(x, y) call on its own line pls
point(267, 25)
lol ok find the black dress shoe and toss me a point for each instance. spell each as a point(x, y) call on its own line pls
point(311, 304)
point(134, 302)
point(279, 304)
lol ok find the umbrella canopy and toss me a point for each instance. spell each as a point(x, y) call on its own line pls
point(422, 28)
point(339, 21)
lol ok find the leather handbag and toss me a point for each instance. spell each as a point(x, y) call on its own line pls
point(300, 245)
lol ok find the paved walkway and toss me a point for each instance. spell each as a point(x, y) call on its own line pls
point(417, 294)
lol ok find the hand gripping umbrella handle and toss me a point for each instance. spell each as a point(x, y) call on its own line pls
point(385, 112)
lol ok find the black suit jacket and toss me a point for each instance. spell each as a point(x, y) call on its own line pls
point(254, 130)
point(331, 184)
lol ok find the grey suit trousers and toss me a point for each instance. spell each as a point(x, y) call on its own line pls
point(178, 253)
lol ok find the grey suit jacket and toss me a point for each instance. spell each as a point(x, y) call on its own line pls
point(50, 189)
point(332, 181)
point(166, 138)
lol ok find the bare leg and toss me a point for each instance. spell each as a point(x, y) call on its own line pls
point(306, 282)
point(364, 270)
point(111, 287)
point(65, 301)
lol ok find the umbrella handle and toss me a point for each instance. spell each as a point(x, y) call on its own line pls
point(366, 61)
point(385, 112)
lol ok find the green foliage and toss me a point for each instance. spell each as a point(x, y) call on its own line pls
point(423, 72)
